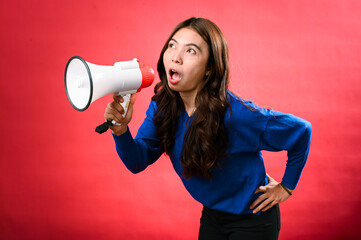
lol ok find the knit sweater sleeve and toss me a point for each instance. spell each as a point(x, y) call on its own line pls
point(144, 149)
point(293, 134)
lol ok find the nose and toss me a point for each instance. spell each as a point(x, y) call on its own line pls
point(177, 57)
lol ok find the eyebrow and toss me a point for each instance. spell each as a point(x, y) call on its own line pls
point(188, 44)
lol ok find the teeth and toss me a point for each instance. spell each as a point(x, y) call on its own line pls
point(172, 72)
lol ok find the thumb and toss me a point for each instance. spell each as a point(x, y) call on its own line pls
point(132, 98)
point(270, 179)
point(260, 189)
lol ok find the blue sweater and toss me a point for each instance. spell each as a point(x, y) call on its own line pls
point(250, 131)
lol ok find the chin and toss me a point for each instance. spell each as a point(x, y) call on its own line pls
point(173, 87)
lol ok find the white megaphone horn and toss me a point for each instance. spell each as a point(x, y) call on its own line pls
point(86, 82)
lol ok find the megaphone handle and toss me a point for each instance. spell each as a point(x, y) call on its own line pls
point(124, 104)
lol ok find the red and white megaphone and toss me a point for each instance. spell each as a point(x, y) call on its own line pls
point(86, 82)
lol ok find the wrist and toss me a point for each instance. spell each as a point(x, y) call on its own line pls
point(289, 191)
point(119, 131)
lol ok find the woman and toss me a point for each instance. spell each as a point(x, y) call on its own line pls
point(213, 138)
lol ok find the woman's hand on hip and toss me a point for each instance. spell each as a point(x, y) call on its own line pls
point(273, 193)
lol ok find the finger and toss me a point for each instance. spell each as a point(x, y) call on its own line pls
point(114, 107)
point(269, 206)
point(269, 177)
point(258, 201)
point(112, 117)
point(117, 106)
point(118, 98)
point(132, 100)
point(113, 114)
point(260, 189)
point(262, 205)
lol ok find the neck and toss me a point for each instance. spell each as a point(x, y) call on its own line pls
point(189, 101)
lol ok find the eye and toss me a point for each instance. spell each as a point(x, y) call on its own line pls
point(171, 45)
point(191, 51)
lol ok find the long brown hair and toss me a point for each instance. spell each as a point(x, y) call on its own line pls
point(206, 137)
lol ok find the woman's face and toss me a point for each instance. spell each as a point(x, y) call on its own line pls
point(185, 61)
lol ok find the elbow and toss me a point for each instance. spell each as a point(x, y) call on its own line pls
point(135, 171)
point(308, 128)
point(135, 168)
point(133, 162)
point(306, 136)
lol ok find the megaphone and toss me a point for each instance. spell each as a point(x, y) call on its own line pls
point(86, 82)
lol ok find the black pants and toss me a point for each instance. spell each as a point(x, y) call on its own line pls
point(217, 225)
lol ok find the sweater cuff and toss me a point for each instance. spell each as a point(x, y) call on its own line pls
point(291, 177)
point(123, 140)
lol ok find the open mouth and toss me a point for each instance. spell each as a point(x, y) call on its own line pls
point(172, 72)
point(174, 75)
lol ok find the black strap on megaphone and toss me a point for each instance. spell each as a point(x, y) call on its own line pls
point(102, 128)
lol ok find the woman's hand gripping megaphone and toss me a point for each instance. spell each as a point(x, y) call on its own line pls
point(118, 115)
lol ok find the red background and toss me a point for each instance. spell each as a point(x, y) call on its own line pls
point(61, 180)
